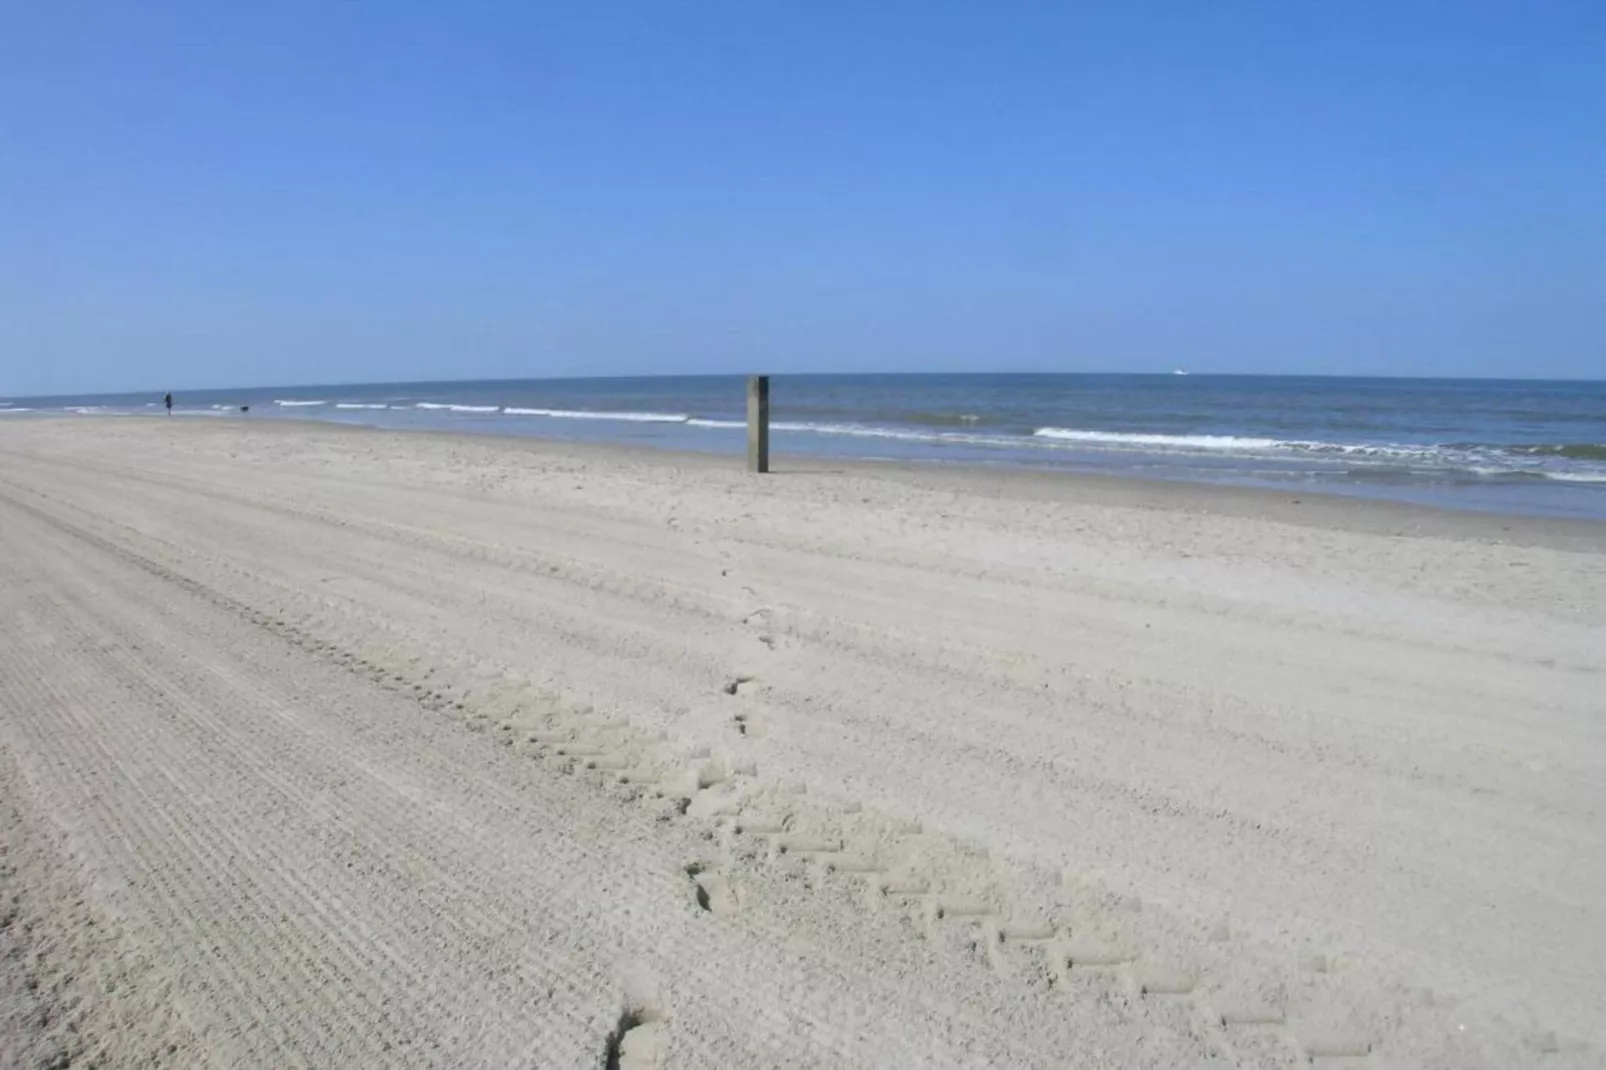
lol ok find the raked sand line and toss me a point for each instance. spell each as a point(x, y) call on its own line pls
point(179, 643)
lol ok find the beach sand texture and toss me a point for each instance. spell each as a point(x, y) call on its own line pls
point(332, 747)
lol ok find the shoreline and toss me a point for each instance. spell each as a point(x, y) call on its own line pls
point(1459, 444)
point(1368, 515)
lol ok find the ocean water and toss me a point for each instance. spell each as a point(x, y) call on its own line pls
point(1530, 446)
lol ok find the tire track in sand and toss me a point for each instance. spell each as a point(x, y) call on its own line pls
point(1247, 1032)
point(809, 999)
point(709, 778)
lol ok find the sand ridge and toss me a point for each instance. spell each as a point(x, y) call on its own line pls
point(835, 769)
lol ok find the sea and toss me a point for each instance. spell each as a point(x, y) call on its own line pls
point(1532, 447)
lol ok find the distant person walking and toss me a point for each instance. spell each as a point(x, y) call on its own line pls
point(168, 401)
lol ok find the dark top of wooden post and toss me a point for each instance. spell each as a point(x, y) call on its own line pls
point(758, 423)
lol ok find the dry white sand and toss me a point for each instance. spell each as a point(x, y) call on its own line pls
point(323, 747)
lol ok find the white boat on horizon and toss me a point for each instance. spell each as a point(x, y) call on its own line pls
point(1178, 371)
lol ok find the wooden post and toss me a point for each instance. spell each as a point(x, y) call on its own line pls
point(758, 423)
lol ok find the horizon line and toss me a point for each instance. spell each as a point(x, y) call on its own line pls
point(802, 375)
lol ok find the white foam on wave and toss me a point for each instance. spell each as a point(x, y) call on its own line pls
point(582, 414)
point(8, 409)
point(299, 404)
point(357, 405)
point(955, 438)
point(951, 438)
point(1490, 462)
point(1197, 442)
point(861, 431)
point(446, 406)
point(1363, 451)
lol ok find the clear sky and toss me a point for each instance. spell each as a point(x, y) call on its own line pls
point(210, 194)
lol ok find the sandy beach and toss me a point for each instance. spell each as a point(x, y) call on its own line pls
point(337, 747)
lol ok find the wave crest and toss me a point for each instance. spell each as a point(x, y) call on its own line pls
point(584, 414)
point(1197, 442)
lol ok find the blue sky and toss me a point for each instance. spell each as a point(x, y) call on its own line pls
point(232, 194)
